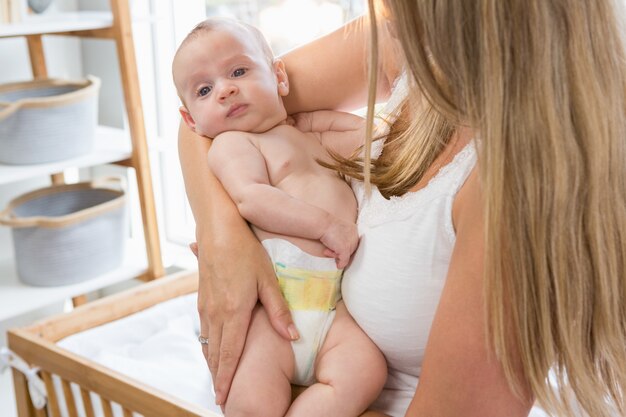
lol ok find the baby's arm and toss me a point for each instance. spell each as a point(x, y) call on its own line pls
point(240, 167)
point(339, 132)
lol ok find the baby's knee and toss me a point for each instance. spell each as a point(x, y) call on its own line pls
point(366, 376)
point(377, 369)
point(240, 408)
point(370, 373)
point(362, 375)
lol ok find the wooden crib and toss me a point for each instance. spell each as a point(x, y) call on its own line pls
point(36, 344)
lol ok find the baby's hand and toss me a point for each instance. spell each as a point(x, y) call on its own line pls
point(341, 239)
point(303, 121)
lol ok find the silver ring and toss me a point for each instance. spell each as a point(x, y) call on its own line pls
point(203, 340)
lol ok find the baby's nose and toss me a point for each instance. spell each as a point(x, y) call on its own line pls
point(227, 91)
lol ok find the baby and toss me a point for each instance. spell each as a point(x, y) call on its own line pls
point(303, 213)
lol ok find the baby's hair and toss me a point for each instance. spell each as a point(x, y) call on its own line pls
point(216, 23)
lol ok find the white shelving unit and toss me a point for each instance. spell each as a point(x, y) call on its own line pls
point(52, 23)
point(129, 149)
point(17, 298)
point(111, 146)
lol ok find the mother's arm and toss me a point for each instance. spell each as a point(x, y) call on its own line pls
point(233, 268)
point(460, 374)
point(327, 73)
point(330, 73)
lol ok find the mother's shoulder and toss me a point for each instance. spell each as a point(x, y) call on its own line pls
point(468, 205)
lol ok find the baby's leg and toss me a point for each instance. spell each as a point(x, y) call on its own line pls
point(350, 371)
point(261, 384)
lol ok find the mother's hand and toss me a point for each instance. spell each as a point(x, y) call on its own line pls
point(226, 300)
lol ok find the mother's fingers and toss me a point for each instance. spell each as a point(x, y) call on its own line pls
point(233, 338)
point(277, 309)
point(194, 248)
point(213, 348)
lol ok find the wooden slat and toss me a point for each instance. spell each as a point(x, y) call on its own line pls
point(22, 399)
point(127, 412)
point(132, 98)
point(79, 300)
point(70, 402)
point(106, 407)
point(128, 163)
point(87, 403)
point(25, 407)
point(37, 57)
point(145, 277)
point(124, 390)
point(53, 402)
point(58, 178)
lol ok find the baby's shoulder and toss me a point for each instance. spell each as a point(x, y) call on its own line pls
point(229, 143)
point(233, 140)
point(230, 135)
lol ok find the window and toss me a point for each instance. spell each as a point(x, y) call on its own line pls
point(288, 23)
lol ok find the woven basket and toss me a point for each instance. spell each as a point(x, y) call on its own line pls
point(47, 120)
point(67, 234)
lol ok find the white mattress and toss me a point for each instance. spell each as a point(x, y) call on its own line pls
point(159, 347)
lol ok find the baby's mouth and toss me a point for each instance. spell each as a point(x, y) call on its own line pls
point(236, 109)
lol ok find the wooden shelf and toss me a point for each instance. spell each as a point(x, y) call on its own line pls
point(57, 23)
point(143, 257)
point(110, 145)
point(17, 298)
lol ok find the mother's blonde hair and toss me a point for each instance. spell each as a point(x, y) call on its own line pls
point(543, 82)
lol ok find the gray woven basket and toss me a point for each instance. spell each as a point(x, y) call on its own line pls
point(47, 120)
point(67, 234)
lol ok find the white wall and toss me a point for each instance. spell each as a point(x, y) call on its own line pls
point(99, 57)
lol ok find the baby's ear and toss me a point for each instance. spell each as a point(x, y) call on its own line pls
point(187, 118)
point(281, 77)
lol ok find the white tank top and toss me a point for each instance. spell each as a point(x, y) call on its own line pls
point(393, 286)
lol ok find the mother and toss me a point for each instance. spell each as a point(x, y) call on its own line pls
point(483, 275)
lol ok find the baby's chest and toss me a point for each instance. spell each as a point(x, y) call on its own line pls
point(288, 156)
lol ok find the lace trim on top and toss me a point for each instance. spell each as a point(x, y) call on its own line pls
point(399, 92)
point(377, 210)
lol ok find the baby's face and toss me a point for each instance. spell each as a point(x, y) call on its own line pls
point(227, 84)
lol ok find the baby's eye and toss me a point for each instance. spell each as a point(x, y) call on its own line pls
point(204, 91)
point(239, 72)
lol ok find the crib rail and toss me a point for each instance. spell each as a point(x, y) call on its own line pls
point(72, 381)
point(87, 407)
point(53, 403)
point(116, 306)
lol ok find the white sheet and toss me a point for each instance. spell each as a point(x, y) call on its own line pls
point(159, 347)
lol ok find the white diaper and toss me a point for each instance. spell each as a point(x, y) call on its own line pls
point(311, 285)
